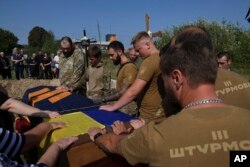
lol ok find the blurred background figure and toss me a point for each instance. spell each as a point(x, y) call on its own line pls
point(25, 63)
point(133, 55)
point(47, 66)
point(17, 59)
point(55, 70)
point(39, 66)
point(5, 67)
point(34, 72)
point(224, 60)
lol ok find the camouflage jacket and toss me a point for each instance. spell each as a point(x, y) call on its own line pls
point(72, 70)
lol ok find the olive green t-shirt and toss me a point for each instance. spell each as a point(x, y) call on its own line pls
point(149, 100)
point(233, 89)
point(194, 137)
point(126, 75)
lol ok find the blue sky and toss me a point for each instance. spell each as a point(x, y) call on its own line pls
point(123, 18)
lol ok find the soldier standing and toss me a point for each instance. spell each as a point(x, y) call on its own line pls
point(72, 67)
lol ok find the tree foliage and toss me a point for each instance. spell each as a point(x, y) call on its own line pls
point(40, 39)
point(50, 45)
point(225, 36)
point(166, 37)
point(7, 41)
point(37, 37)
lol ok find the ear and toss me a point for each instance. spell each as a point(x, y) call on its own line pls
point(229, 62)
point(147, 44)
point(119, 52)
point(177, 77)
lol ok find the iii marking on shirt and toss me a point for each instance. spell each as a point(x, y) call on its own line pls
point(223, 144)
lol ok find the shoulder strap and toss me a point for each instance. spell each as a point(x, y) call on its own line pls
point(123, 66)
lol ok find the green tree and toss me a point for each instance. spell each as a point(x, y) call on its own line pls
point(164, 40)
point(37, 37)
point(7, 41)
point(30, 50)
point(50, 45)
point(225, 36)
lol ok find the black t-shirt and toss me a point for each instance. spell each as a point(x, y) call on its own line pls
point(6, 118)
point(3, 98)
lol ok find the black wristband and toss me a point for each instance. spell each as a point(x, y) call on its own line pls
point(97, 135)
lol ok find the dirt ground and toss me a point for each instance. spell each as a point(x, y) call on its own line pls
point(16, 88)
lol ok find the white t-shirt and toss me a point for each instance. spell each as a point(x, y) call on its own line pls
point(56, 60)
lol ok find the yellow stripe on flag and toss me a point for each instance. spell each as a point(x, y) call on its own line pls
point(77, 123)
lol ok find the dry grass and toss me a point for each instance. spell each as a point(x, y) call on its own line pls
point(16, 88)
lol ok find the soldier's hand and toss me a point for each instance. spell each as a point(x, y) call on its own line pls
point(108, 107)
point(64, 88)
point(119, 127)
point(137, 123)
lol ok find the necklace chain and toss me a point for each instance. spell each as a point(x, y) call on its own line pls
point(203, 101)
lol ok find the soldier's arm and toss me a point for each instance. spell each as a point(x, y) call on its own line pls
point(116, 95)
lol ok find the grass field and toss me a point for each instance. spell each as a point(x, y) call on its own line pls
point(243, 70)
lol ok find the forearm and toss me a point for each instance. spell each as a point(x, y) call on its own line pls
point(34, 136)
point(112, 97)
point(132, 92)
point(47, 64)
point(110, 143)
point(116, 95)
point(126, 98)
point(21, 108)
point(50, 156)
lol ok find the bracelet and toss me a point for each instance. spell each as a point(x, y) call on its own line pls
point(97, 135)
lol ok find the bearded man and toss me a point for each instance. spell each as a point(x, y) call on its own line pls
point(72, 67)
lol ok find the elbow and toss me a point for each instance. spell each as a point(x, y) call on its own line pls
point(8, 105)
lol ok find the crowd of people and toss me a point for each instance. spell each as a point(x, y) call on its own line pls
point(37, 66)
point(192, 109)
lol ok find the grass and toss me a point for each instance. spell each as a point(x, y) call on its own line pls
point(111, 67)
point(242, 69)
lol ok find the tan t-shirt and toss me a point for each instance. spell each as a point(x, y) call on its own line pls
point(233, 89)
point(97, 79)
point(126, 75)
point(193, 137)
point(149, 100)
